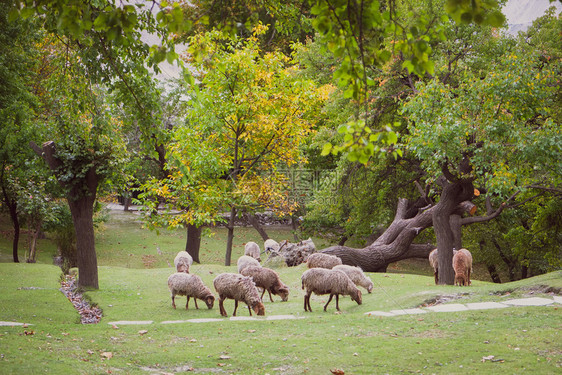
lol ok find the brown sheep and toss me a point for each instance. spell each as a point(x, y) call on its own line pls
point(462, 264)
point(267, 279)
point(238, 288)
point(326, 281)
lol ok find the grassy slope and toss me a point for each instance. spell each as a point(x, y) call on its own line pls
point(526, 339)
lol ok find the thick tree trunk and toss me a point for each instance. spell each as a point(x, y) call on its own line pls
point(17, 229)
point(193, 242)
point(230, 238)
point(393, 245)
point(82, 211)
point(81, 195)
point(12, 205)
point(253, 220)
point(453, 194)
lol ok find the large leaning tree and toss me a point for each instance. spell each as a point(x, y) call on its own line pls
point(496, 133)
point(103, 46)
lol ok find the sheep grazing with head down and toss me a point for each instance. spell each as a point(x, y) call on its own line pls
point(324, 281)
point(267, 279)
point(245, 261)
point(184, 284)
point(321, 260)
point(356, 275)
point(434, 263)
point(252, 249)
point(462, 264)
point(271, 246)
point(183, 261)
point(239, 288)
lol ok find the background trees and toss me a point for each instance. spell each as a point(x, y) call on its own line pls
point(432, 101)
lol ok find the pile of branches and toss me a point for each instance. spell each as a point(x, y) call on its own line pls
point(88, 314)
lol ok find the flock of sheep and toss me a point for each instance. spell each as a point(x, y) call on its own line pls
point(326, 275)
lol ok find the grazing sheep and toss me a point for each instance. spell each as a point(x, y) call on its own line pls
point(238, 288)
point(356, 275)
point(267, 279)
point(321, 260)
point(434, 263)
point(184, 284)
point(183, 261)
point(325, 281)
point(252, 249)
point(245, 261)
point(271, 246)
point(462, 264)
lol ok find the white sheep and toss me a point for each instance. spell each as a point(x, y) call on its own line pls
point(184, 284)
point(252, 249)
point(321, 260)
point(356, 275)
point(238, 288)
point(462, 264)
point(267, 279)
point(271, 246)
point(327, 281)
point(183, 261)
point(245, 261)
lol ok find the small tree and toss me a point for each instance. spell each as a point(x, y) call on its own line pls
point(253, 112)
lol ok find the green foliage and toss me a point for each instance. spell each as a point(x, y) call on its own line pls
point(500, 122)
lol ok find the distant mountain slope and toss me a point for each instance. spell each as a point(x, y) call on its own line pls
point(520, 14)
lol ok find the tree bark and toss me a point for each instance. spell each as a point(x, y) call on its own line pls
point(453, 194)
point(253, 220)
point(230, 238)
point(193, 241)
point(393, 245)
point(12, 205)
point(81, 196)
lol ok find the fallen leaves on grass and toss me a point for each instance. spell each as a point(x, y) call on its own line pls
point(143, 332)
point(88, 314)
point(107, 355)
point(337, 371)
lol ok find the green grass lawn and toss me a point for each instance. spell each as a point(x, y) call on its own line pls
point(132, 278)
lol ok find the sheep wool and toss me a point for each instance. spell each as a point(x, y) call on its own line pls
point(252, 249)
point(356, 275)
point(245, 261)
point(462, 264)
point(184, 284)
point(434, 263)
point(271, 246)
point(183, 261)
point(267, 279)
point(326, 281)
point(239, 288)
point(321, 260)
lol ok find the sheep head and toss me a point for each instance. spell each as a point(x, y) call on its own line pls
point(210, 301)
point(356, 296)
point(182, 267)
point(283, 292)
point(259, 308)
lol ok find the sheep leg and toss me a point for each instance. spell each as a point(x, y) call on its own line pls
point(270, 298)
point(187, 303)
point(262, 293)
point(469, 283)
point(173, 301)
point(249, 310)
point(307, 302)
point(221, 307)
point(329, 300)
point(235, 307)
point(338, 302)
point(436, 277)
point(195, 300)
